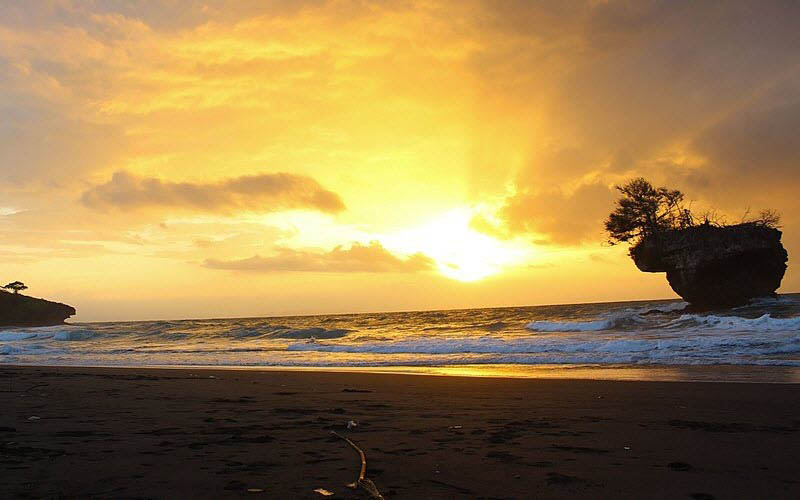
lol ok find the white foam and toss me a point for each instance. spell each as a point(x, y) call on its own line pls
point(571, 326)
point(764, 323)
point(16, 336)
point(73, 335)
point(577, 335)
point(664, 348)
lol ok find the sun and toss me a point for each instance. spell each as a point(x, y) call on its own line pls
point(460, 252)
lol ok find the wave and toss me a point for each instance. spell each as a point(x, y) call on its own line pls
point(495, 326)
point(609, 321)
point(16, 336)
point(780, 300)
point(763, 323)
point(735, 344)
point(73, 335)
point(571, 326)
point(163, 335)
point(635, 320)
point(668, 308)
point(767, 332)
point(312, 333)
point(45, 334)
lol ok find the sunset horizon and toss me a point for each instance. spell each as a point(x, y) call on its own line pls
point(399, 249)
point(179, 161)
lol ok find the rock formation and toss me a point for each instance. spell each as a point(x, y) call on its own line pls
point(21, 310)
point(711, 266)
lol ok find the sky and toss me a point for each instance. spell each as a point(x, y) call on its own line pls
point(187, 159)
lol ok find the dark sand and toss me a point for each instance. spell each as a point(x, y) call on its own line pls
point(126, 433)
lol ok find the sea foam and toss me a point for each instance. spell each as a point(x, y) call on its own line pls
point(763, 323)
point(641, 333)
point(16, 336)
point(571, 326)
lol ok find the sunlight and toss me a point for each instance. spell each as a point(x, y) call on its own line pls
point(460, 252)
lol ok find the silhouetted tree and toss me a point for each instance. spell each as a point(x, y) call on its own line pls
point(768, 218)
point(16, 286)
point(645, 210)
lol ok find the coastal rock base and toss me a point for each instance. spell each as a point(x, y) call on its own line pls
point(21, 310)
point(712, 267)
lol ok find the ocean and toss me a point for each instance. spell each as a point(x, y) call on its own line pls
point(497, 340)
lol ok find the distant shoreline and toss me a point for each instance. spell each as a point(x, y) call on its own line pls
point(726, 374)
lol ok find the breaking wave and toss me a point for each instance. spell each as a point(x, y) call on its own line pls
point(789, 342)
point(312, 333)
point(14, 336)
point(763, 323)
point(765, 332)
point(571, 326)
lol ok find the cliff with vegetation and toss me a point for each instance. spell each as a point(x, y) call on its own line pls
point(709, 264)
point(716, 266)
point(21, 310)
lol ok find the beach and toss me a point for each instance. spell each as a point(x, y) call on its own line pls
point(76, 432)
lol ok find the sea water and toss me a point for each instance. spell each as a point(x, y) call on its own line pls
point(632, 334)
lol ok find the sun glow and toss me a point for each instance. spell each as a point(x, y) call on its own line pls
point(460, 252)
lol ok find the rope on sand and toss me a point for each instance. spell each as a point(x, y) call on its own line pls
point(362, 480)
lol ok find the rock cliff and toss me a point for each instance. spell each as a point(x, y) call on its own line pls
point(21, 310)
point(712, 266)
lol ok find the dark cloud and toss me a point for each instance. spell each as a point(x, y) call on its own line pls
point(761, 142)
point(677, 66)
point(373, 258)
point(692, 95)
point(263, 193)
point(541, 19)
point(559, 217)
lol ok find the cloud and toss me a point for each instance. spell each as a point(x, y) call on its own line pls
point(44, 149)
point(560, 217)
point(758, 142)
point(372, 258)
point(618, 89)
point(536, 107)
point(261, 193)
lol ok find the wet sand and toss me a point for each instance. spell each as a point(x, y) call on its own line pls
point(150, 433)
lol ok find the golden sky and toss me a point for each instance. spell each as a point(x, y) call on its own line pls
point(163, 159)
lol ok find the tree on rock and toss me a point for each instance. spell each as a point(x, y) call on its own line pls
point(644, 211)
point(16, 286)
point(709, 263)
